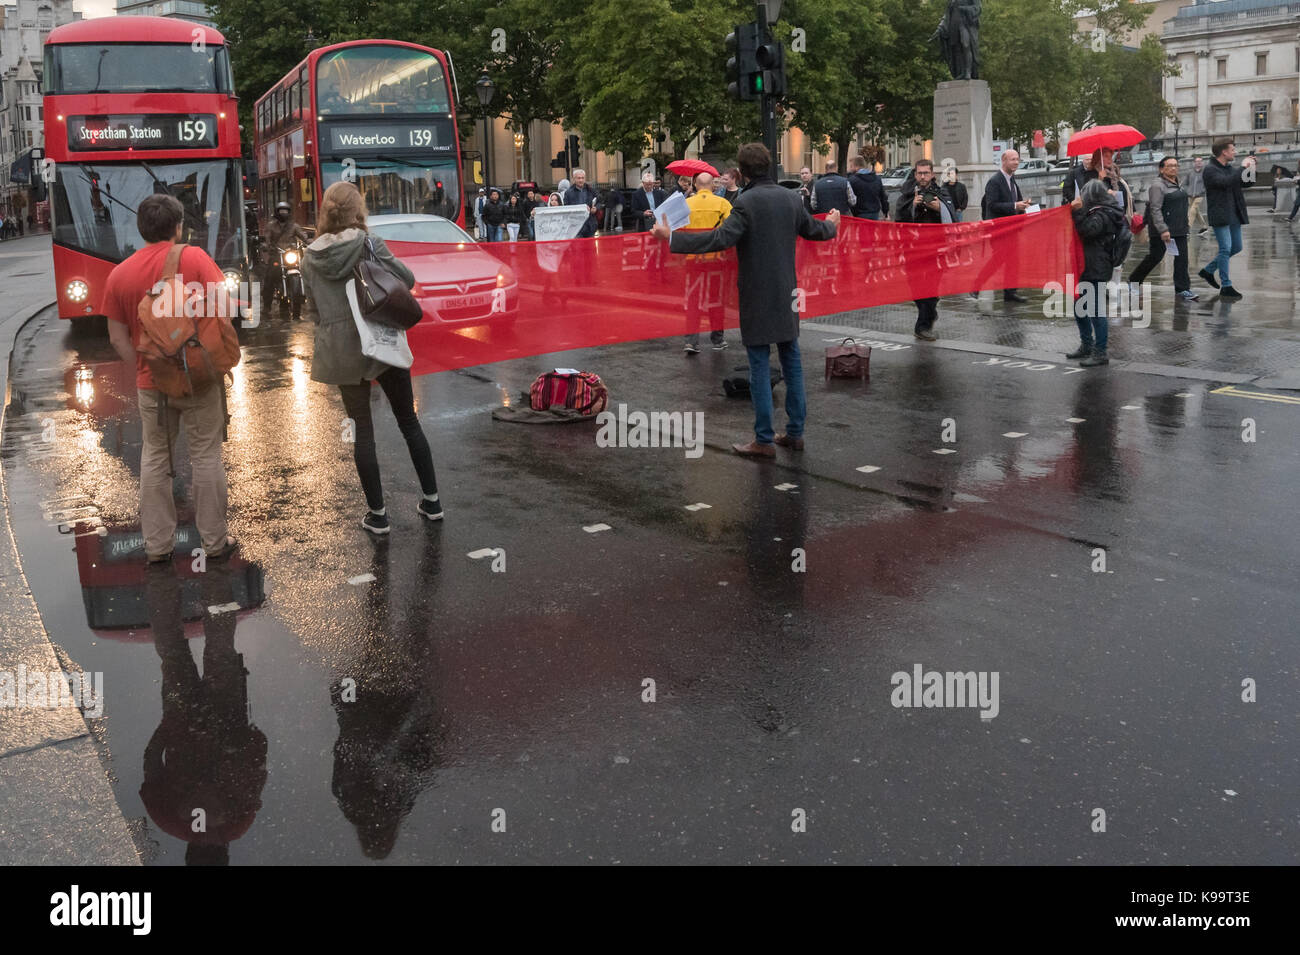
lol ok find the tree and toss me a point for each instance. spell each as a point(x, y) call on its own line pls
point(619, 83)
point(867, 65)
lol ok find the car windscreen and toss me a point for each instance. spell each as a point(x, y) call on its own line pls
point(427, 230)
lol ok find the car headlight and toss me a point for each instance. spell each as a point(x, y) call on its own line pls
point(501, 279)
point(291, 258)
point(232, 282)
point(77, 291)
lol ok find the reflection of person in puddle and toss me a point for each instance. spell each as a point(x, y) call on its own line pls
point(389, 729)
point(1094, 458)
point(205, 754)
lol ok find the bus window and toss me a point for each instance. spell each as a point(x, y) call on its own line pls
point(380, 79)
point(135, 67)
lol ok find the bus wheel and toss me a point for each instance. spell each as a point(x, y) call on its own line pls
point(89, 326)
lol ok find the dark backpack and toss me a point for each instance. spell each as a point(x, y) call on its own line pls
point(1117, 246)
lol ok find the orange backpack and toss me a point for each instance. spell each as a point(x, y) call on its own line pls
point(186, 349)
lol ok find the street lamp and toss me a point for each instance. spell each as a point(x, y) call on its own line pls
point(485, 88)
point(771, 10)
point(1177, 122)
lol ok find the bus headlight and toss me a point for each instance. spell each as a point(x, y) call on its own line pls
point(290, 257)
point(232, 282)
point(77, 291)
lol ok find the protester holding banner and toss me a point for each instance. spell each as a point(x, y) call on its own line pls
point(763, 227)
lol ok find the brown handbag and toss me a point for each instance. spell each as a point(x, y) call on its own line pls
point(848, 359)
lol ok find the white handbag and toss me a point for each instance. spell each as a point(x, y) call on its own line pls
point(380, 342)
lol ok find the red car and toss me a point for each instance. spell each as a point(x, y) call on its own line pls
point(456, 284)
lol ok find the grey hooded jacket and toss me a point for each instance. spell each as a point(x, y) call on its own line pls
point(326, 269)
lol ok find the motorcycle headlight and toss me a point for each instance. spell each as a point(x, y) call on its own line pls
point(77, 291)
point(232, 282)
point(291, 258)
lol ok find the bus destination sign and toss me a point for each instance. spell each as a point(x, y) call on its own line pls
point(434, 136)
point(157, 131)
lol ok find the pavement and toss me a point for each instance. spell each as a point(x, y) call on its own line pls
point(56, 803)
point(581, 663)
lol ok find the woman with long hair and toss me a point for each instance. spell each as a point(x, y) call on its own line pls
point(341, 241)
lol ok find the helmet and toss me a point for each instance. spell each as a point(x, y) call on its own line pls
point(283, 207)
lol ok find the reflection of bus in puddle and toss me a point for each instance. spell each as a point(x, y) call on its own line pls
point(111, 567)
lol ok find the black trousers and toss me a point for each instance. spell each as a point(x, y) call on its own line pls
point(396, 383)
point(1181, 280)
point(927, 312)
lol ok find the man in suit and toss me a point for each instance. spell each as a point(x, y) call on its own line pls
point(645, 201)
point(763, 227)
point(871, 202)
point(1002, 197)
point(833, 191)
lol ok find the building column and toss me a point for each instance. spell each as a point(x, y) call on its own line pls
point(1202, 90)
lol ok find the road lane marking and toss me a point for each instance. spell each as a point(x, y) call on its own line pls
point(1236, 392)
point(596, 528)
point(868, 469)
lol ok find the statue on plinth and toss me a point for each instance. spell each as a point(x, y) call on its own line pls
point(959, 38)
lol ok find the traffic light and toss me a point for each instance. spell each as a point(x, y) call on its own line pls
point(769, 60)
point(561, 160)
point(573, 152)
point(742, 67)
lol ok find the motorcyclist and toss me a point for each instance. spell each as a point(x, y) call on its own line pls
point(281, 233)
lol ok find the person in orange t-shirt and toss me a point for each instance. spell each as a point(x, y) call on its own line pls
point(159, 220)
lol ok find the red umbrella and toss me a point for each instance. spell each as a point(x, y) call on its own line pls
point(691, 167)
point(1096, 137)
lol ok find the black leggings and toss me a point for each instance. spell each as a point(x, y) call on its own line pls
point(396, 383)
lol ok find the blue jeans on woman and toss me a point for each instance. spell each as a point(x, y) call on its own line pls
point(1229, 238)
point(1090, 315)
point(760, 389)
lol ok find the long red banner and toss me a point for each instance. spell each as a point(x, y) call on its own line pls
point(496, 301)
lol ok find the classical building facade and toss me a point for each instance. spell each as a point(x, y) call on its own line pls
point(196, 10)
point(24, 25)
point(1239, 70)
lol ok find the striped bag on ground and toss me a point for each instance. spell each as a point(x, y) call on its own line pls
point(582, 391)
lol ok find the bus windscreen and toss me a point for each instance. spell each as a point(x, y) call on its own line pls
point(380, 80)
point(135, 68)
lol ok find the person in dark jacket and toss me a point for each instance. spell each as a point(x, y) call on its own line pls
point(337, 359)
point(956, 189)
point(832, 191)
point(645, 200)
point(1225, 207)
point(924, 200)
point(1080, 173)
point(1003, 198)
point(582, 194)
point(514, 217)
point(870, 192)
point(763, 227)
point(731, 184)
point(1098, 220)
point(1167, 206)
point(805, 190)
point(494, 216)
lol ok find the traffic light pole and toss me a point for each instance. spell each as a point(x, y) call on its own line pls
point(768, 116)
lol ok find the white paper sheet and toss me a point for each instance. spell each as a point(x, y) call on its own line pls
point(675, 210)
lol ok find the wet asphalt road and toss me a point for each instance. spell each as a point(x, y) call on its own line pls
point(519, 697)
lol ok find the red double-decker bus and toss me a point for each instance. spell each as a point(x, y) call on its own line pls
point(136, 106)
point(380, 113)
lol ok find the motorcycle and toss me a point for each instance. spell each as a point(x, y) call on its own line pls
point(290, 289)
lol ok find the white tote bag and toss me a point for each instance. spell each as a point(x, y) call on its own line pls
point(379, 342)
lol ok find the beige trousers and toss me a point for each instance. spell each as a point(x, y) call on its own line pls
point(203, 417)
point(1195, 213)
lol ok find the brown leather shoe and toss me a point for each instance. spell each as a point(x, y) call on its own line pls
point(754, 450)
point(795, 444)
point(926, 336)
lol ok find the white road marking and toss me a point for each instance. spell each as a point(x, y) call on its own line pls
point(361, 579)
point(596, 528)
point(868, 469)
point(1014, 434)
point(944, 451)
point(785, 487)
point(698, 507)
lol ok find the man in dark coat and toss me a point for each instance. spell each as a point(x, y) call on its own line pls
point(924, 201)
point(1225, 207)
point(833, 191)
point(1002, 198)
point(872, 203)
point(763, 227)
point(645, 201)
point(581, 194)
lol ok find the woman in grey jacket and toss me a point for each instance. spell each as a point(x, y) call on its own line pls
point(1167, 205)
point(337, 359)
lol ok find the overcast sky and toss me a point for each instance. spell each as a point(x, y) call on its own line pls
point(95, 8)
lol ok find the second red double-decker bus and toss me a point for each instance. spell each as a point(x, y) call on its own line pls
point(380, 113)
point(136, 106)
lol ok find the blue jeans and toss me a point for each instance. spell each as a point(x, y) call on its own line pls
point(1090, 315)
point(1229, 237)
point(760, 389)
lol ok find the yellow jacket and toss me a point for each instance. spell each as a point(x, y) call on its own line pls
point(707, 210)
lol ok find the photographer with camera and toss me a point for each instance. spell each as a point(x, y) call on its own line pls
point(925, 200)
